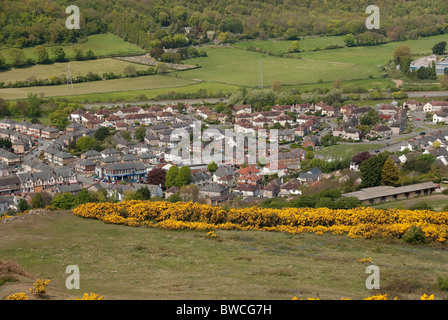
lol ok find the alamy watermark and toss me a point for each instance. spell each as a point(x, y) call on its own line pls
point(72, 281)
point(373, 280)
point(73, 20)
point(373, 21)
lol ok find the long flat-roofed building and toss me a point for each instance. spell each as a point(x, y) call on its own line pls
point(387, 193)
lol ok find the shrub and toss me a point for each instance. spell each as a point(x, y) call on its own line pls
point(442, 283)
point(422, 205)
point(415, 235)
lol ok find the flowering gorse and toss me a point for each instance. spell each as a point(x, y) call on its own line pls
point(355, 223)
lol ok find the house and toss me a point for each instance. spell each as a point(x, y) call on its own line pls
point(251, 179)
point(126, 171)
point(72, 188)
point(441, 116)
point(74, 127)
point(23, 126)
point(62, 158)
point(381, 131)
point(85, 166)
point(223, 171)
point(227, 180)
point(412, 105)
point(246, 190)
point(9, 158)
point(7, 124)
point(272, 189)
point(170, 191)
point(155, 190)
point(278, 168)
point(290, 188)
point(310, 176)
point(242, 109)
point(91, 155)
point(433, 106)
point(310, 142)
point(201, 178)
point(123, 112)
point(109, 152)
point(10, 185)
point(49, 133)
point(213, 189)
point(76, 115)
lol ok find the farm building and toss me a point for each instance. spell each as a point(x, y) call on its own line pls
point(380, 194)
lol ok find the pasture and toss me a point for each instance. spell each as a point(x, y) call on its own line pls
point(77, 68)
point(102, 45)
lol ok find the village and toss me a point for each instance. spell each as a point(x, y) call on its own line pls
point(40, 159)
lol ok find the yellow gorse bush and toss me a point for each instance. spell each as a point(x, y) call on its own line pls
point(40, 286)
point(355, 223)
point(91, 296)
point(18, 296)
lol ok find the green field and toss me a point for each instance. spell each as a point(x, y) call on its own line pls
point(226, 67)
point(283, 46)
point(95, 87)
point(125, 263)
point(77, 68)
point(357, 64)
point(135, 95)
point(346, 150)
point(241, 67)
point(102, 45)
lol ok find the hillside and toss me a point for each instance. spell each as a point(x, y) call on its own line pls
point(30, 23)
point(122, 262)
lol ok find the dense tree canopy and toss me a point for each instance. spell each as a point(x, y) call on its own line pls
point(26, 23)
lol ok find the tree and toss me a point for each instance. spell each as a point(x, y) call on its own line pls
point(142, 193)
point(212, 167)
point(37, 201)
point(171, 176)
point(130, 71)
point(101, 133)
point(161, 68)
point(3, 64)
point(359, 158)
point(276, 85)
point(22, 205)
point(33, 105)
point(90, 55)
point(42, 56)
point(295, 46)
point(400, 52)
point(156, 177)
point(58, 54)
point(140, 133)
point(17, 57)
point(85, 143)
point(444, 82)
point(63, 201)
point(189, 192)
point(371, 170)
point(79, 53)
point(389, 174)
point(291, 34)
point(82, 197)
point(350, 40)
point(439, 48)
point(183, 177)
